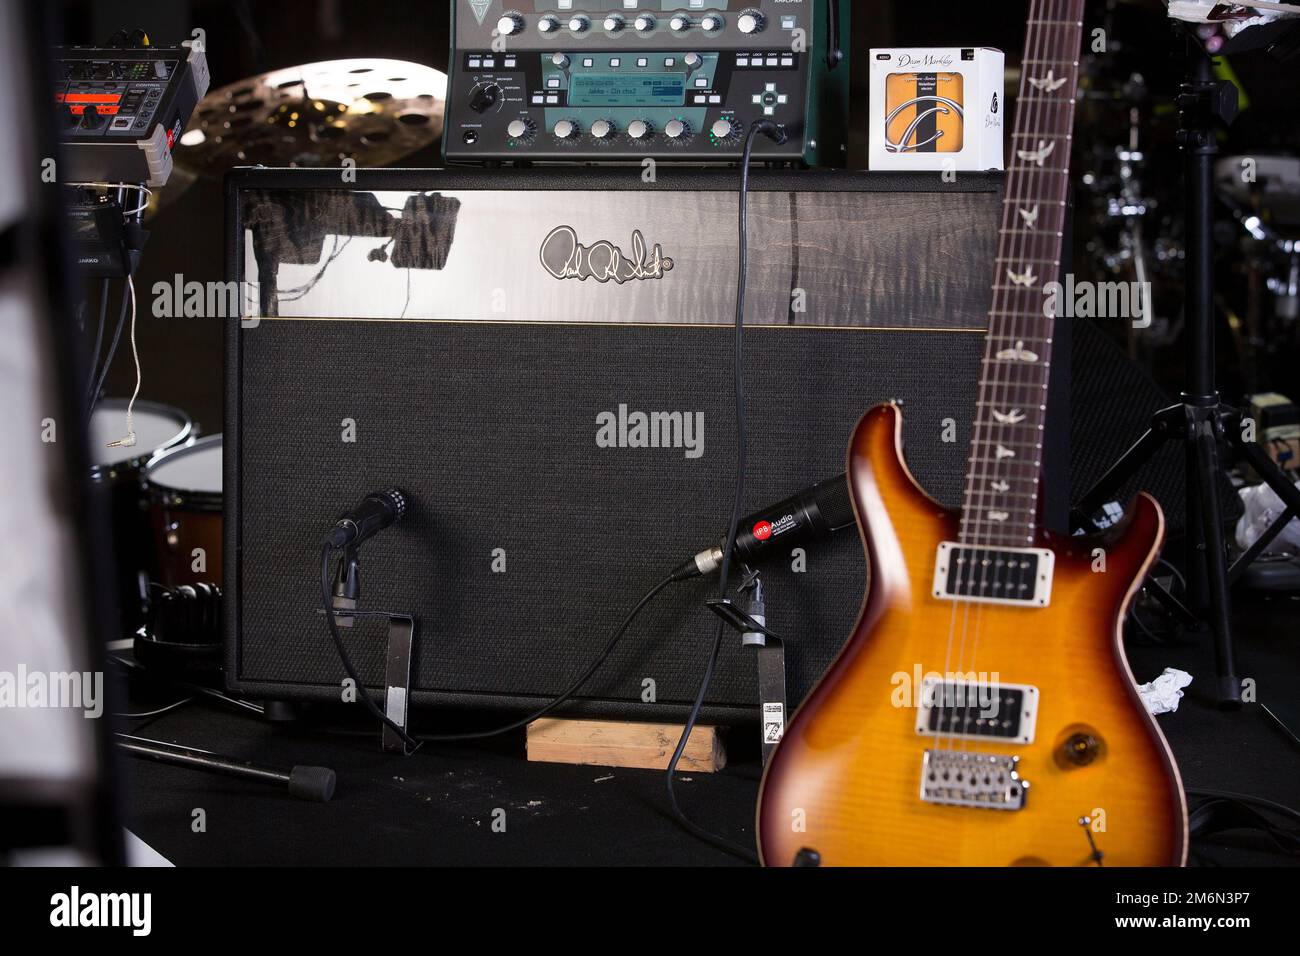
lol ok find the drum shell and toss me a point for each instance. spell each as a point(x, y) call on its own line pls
point(183, 520)
point(121, 485)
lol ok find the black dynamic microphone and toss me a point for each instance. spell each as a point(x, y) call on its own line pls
point(375, 513)
point(821, 509)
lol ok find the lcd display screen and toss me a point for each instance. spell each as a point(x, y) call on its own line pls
point(641, 89)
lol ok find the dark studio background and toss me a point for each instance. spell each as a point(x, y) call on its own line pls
point(182, 358)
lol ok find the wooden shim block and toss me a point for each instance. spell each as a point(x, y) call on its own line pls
point(615, 743)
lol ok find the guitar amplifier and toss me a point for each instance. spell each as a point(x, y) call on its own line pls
point(541, 361)
point(559, 81)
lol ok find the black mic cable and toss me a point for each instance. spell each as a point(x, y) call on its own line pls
point(775, 133)
point(415, 741)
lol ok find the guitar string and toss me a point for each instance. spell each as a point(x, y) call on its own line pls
point(1042, 49)
point(973, 497)
point(996, 383)
point(1063, 49)
point(1002, 299)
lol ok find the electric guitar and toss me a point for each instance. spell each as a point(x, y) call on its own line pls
point(982, 712)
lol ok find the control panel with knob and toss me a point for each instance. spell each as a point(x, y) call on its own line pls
point(624, 85)
point(122, 108)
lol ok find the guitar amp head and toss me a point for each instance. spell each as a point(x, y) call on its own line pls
point(628, 80)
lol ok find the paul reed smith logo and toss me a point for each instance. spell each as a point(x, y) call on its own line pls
point(564, 257)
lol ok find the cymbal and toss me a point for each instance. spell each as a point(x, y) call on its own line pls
point(373, 111)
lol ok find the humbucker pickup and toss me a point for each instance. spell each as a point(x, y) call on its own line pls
point(1017, 576)
point(959, 778)
point(974, 710)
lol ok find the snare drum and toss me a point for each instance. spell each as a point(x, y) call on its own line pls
point(183, 486)
point(119, 470)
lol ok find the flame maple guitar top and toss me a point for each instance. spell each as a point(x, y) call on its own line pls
point(846, 779)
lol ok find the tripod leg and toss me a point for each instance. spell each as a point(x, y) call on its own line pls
point(1216, 565)
point(1267, 469)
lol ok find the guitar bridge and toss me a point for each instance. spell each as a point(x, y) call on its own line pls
point(1017, 576)
point(960, 778)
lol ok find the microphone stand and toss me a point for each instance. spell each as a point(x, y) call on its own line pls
point(1201, 421)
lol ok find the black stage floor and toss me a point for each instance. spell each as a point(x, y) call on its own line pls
point(436, 807)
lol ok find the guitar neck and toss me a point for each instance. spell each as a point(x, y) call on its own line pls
point(1002, 480)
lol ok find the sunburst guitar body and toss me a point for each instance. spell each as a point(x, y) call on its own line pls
point(982, 712)
point(848, 779)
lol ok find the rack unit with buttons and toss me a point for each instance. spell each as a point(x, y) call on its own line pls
point(122, 108)
point(626, 80)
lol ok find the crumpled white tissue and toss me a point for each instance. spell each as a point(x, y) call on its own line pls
point(1198, 11)
point(1162, 695)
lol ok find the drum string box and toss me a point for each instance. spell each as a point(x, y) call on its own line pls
point(562, 81)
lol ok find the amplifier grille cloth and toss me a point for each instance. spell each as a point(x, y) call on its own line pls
point(491, 430)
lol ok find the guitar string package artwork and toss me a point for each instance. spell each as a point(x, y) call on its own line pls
point(936, 109)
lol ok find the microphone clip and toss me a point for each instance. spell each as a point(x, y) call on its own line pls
point(347, 585)
point(750, 623)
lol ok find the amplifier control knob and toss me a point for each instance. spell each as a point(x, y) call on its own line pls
point(520, 129)
point(548, 24)
point(510, 24)
point(640, 129)
point(693, 60)
point(751, 21)
point(644, 23)
point(677, 130)
point(614, 23)
point(90, 118)
point(483, 98)
point(712, 23)
point(579, 24)
point(680, 23)
point(722, 129)
point(560, 61)
point(566, 129)
point(602, 129)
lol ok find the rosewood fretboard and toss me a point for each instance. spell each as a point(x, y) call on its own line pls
point(1002, 478)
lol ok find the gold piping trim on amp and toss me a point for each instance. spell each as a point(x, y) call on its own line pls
point(726, 326)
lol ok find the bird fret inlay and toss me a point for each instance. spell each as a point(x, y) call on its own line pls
point(1038, 155)
point(1049, 83)
point(1026, 278)
point(1017, 354)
